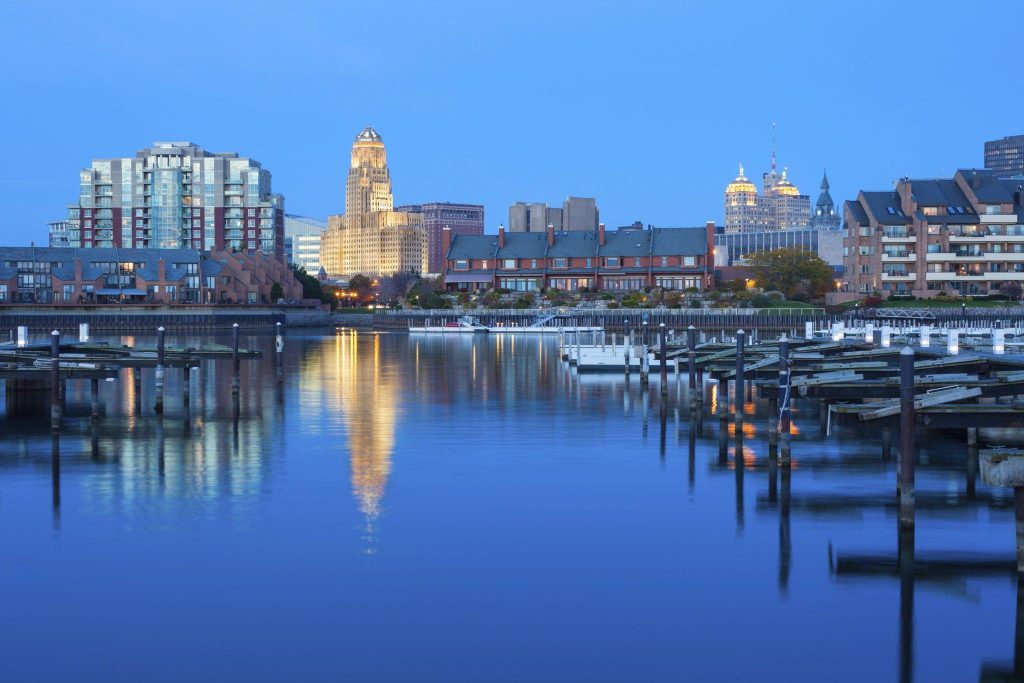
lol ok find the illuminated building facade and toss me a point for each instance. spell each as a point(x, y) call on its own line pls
point(371, 238)
point(177, 195)
point(779, 205)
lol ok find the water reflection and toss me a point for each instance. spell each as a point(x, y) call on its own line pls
point(495, 485)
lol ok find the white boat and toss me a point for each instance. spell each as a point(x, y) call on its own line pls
point(468, 324)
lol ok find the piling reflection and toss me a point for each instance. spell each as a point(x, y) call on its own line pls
point(379, 403)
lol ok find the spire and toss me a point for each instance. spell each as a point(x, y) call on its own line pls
point(824, 180)
point(773, 147)
point(741, 169)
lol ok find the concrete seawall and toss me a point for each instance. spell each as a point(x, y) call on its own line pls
point(117, 319)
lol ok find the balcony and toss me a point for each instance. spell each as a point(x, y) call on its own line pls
point(895, 276)
point(898, 256)
point(898, 236)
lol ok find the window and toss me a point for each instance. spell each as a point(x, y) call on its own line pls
point(509, 263)
point(689, 261)
point(611, 262)
point(559, 263)
point(590, 263)
point(461, 264)
point(664, 261)
point(483, 264)
point(865, 232)
point(533, 263)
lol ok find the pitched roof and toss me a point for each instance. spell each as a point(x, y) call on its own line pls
point(523, 245)
point(627, 243)
point(679, 241)
point(885, 207)
point(473, 246)
point(574, 243)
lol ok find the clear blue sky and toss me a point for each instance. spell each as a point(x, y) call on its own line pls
point(646, 105)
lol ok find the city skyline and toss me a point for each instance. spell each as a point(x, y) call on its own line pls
point(486, 150)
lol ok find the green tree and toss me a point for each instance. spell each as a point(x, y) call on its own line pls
point(276, 291)
point(360, 283)
point(793, 272)
point(311, 288)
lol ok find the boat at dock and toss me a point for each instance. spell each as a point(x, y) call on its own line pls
point(468, 324)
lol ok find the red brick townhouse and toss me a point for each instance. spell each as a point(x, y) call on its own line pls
point(620, 260)
point(64, 276)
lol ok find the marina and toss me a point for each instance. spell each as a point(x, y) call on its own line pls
point(351, 437)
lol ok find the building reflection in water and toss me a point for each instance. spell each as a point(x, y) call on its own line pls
point(364, 394)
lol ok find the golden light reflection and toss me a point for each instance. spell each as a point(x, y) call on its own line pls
point(368, 402)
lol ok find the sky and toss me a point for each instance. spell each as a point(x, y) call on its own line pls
point(647, 106)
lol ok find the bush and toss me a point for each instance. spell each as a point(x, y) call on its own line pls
point(872, 301)
point(695, 303)
point(775, 295)
point(612, 305)
point(760, 301)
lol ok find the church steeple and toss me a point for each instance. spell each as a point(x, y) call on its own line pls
point(825, 215)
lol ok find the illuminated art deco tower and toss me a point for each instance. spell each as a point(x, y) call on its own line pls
point(372, 238)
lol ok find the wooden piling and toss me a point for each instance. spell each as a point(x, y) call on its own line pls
point(279, 352)
point(663, 363)
point(691, 357)
point(234, 360)
point(55, 411)
point(784, 386)
point(907, 437)
point(160, 339)
point(738, 391)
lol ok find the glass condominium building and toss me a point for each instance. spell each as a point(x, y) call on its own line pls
point(302, 241)
point(177, 195)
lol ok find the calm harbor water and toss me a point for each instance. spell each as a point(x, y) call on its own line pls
point(412, 508)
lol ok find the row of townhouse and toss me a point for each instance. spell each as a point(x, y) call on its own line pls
point(962, 235)
point(66, 276)
point(620, 260)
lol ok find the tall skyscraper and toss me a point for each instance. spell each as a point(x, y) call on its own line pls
point(1005, 156)
point(576, 214)
point(302, 237)
point(779, 206)
point(461, 219)
point(178, 195)
point(826, 215)
point(371, 238)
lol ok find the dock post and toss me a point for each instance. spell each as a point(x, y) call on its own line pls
point(925, 336)
point(234, 359)
point(279, 352)
point(160, 369)
point(953, 342)
point(907, 436)
point(94, 395)
point(808, 330)
point(55, 380)
point(22, 335)
point(784, 385)
point(823, 416)
point(663, 363)
point(999, 341)
point(738, 393)
point(691, 358)
point(83, 332)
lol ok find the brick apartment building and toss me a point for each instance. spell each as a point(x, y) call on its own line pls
point(620, 260)
point(72, 277)
point(963, 236)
